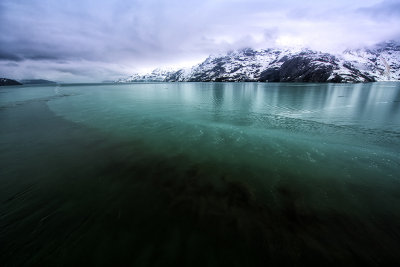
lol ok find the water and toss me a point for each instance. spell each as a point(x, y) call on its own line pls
point(200, 174)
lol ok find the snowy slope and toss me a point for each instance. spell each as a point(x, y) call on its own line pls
point(157, 75)
point(378, 63)
point(381, 61)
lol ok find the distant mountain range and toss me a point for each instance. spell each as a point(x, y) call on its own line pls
point(378, 63)
point(37, 81)
point(5, 82)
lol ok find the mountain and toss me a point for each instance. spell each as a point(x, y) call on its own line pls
point(378, 63)
point(37, 81)
point(157, 75)
point(5, 81)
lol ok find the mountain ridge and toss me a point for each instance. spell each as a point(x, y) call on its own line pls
point(378, 63)
point(36, 81)
point(8, 82)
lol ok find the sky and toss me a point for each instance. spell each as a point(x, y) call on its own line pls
point(97, 40)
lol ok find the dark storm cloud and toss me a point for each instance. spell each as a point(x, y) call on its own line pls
point(9, 56)
point(121, 36)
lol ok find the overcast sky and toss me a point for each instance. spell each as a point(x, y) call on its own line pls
point(96, 40)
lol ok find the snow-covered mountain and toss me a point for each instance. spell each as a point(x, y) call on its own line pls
point(378, 63)
point(157, 75)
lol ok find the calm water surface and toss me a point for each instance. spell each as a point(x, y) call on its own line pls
point(200, 174)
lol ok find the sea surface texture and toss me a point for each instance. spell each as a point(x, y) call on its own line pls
point(200, 174)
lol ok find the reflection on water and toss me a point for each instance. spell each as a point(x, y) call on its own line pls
point(195, 174)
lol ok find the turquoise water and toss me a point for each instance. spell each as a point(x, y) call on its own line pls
point(200, 174)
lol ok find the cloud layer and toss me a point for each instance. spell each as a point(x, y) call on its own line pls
point(94, 40)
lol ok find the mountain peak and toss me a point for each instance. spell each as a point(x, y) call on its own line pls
point(378, 63)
